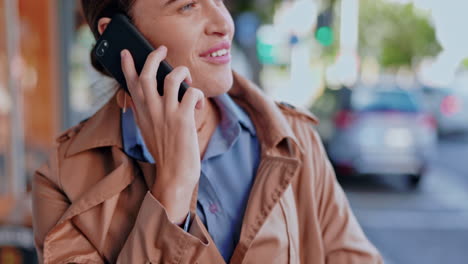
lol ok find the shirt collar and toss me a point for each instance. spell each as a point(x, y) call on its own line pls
point(230, 111)
point(132, 139)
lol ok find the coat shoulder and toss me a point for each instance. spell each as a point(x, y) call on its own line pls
point(304, 126)
point(298, 113)
point(50, 169)
point(70, 133)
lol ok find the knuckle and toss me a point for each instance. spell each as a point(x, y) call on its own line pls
point(192, 92)
point(195, 92)
point(181, 70)
point(156, 55)
point(184, 69)
point(171, 78)
point(200, 93)
point(176, 76)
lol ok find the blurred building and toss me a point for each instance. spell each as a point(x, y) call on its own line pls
point(46, 83)
point(29, 69)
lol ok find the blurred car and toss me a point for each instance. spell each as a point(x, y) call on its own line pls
point(383, 132)
point(449, 106)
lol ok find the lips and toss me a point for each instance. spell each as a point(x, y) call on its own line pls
point(225, 45)
point(219, 54)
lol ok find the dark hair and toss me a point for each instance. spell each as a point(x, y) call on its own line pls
point(93, 10)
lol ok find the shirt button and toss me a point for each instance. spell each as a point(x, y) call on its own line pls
point(214, 208)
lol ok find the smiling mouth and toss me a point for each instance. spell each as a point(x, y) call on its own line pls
point(219, 57)
point(219, 53)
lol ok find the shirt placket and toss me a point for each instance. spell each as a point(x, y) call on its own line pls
point(212, 213)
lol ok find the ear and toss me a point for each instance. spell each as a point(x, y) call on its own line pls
point(102, 24)
point(124, 99)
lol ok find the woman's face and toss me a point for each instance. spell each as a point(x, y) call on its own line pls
point(192, 30)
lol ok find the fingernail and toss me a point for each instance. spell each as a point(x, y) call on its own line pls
point(163, 48)
point(122, 54)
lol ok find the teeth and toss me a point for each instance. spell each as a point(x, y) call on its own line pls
point(219, 53)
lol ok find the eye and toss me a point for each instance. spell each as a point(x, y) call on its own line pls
point(188, 6)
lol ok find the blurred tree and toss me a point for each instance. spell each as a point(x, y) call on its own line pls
point(396, 34)
point(464, 64)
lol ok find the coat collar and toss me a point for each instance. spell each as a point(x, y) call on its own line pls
point(103, 129)
point(272, 126)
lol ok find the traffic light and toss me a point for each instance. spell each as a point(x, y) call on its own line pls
point(324, 33)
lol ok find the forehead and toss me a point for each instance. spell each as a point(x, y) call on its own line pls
point(145, 5)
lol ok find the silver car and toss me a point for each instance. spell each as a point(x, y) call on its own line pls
point(383, 132)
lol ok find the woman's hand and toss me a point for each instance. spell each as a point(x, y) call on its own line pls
point(168, 129)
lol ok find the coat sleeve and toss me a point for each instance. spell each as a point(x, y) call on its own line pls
point(153, 238)
point(343, 239)
point(167, 242)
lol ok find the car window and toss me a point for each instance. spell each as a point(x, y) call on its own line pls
point(384, 101)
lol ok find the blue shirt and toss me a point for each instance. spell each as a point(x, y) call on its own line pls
point(228, 171)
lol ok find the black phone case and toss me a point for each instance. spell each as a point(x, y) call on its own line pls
point(121, 34)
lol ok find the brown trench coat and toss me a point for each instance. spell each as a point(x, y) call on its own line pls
point(91, 202)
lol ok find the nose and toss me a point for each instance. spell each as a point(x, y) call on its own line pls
point(219, 21)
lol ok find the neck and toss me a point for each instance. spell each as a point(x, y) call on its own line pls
point(206, 120)
point(206, 117)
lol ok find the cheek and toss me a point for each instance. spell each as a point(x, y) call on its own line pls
point(179, 46)
point(180, 52)
point(174, 36)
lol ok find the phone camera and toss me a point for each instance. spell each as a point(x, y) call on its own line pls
point(101, 49)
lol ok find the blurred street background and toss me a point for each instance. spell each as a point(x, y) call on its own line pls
point(388, 80)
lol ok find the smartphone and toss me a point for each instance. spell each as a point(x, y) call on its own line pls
point(121, 34)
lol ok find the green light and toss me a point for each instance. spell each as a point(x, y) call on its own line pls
point(266, 53)
point(324, 36)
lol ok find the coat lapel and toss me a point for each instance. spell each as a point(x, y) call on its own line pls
point(281, 155)
point(115, 182)
point(102, 130)
point(271, 125)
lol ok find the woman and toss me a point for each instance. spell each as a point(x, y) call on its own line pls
point(226, 175)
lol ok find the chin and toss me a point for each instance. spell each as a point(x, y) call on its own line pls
point(217, 85)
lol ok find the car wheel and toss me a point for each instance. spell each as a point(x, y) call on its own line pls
point(414, 180)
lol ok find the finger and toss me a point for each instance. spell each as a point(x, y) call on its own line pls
point(172, 84)
point(193, 98)
point(150, 70)
point(128, 69)
point(131, 76)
